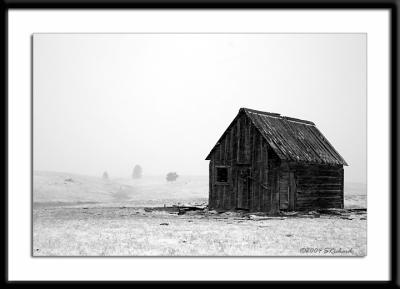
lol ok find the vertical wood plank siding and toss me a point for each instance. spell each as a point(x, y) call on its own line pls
point(341, 170)
point(284, 186)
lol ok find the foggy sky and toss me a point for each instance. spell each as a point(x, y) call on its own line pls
point(105, 102)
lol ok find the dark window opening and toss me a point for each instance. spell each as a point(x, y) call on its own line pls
point(222, 175)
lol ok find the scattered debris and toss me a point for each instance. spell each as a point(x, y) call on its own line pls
point(291, 213)
point(200, 210)
point(241, 210)
point(358, 210)
point(229, 214)
point(306, 216)
point(341, 213)
point(262, 218)
point(313, 214)
point(193, 208)
point(337, 212)
point(212, 212)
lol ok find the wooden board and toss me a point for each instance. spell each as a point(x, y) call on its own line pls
point(292, 192)
point(244, 185)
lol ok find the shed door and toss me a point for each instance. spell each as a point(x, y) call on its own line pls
point(244, 183)
point(292, 192)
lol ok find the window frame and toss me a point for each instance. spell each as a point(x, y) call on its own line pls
point(228, 168)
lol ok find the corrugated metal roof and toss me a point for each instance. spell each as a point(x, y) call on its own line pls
point(293, 139)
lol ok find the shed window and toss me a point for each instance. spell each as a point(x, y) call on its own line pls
point(222, 174)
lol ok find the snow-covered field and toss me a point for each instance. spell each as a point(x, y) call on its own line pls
point(50, 188)
point(76, 215)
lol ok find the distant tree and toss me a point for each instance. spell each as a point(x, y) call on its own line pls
point(172, 176)
point(137, 172)
point(105, 176)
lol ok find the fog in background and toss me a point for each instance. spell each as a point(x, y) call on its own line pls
point(106, 102)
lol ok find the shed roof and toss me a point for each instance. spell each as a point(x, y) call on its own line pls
point(292, 139)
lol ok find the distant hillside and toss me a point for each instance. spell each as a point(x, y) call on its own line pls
point(66, 187)
point(355, 188)
point(355, 195)
point(55, 187)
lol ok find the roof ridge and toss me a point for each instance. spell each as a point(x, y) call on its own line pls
point(292, 139)
point(278, 115)
point(261, 112)
point(298, 120)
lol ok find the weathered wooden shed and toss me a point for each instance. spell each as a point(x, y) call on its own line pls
point(267, 162)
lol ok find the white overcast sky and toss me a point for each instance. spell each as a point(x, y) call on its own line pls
point(105, 102)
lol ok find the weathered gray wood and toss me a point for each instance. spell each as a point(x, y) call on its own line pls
point(210, 185)
point(246, 155)
point(342, 188)
point(292, 191)
point(234, 188)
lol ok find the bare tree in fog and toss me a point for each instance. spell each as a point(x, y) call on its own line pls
point(137, 172)
point(172, 176)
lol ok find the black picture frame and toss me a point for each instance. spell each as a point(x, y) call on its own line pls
point(391, 5)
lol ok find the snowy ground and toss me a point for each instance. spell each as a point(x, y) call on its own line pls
point(76, 215)
point(51, 188)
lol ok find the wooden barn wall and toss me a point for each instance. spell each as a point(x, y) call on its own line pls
point(284, 186)
point(319, 186)
point(222, 196)
point(211, 193)
point(274, 168)
point(259, 195)
point(243, 146)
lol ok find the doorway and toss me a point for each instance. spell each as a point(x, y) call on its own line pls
point(292, 192)
point(244, 185)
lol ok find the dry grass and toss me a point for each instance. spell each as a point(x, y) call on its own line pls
point(133, 232)
point(88, 217)
point(55, 187)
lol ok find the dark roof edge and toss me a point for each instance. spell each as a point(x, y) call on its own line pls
point(299, 120)
point(278, 115)
point(241, 111)
point(260, 112)
point(327, 141)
